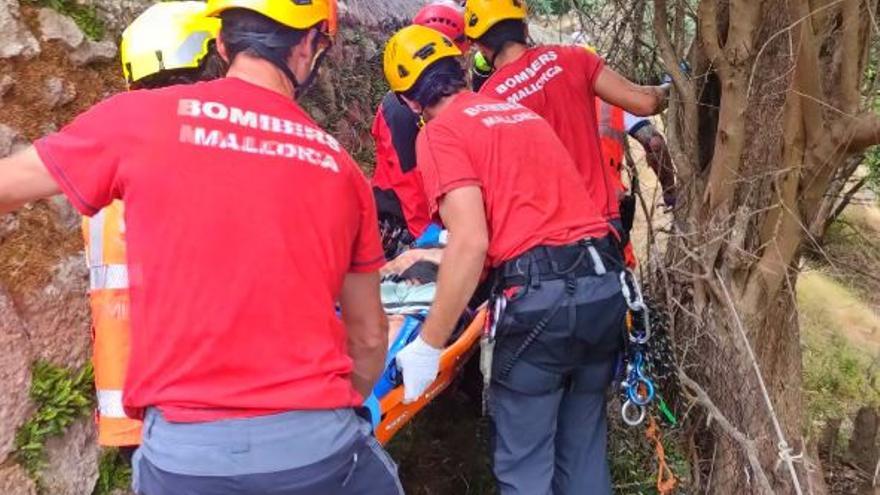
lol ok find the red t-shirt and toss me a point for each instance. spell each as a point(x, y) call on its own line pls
point(557, 83)
point(242, 219)
point(531, 189)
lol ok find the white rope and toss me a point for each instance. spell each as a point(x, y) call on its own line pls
point(785, 451)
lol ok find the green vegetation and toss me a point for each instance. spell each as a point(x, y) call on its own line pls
point(114, 473)
point(840, 348)
point(62, 396)
point(872, 162)
point(85, 16)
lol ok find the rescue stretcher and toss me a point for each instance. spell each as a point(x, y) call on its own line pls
point(389, 412)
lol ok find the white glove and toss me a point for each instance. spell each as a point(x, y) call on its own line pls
point(420, 363)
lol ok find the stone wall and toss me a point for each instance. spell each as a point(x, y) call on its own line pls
point(50, 72)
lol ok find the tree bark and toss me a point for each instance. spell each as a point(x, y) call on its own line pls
point(863, 451)
point(754, 180)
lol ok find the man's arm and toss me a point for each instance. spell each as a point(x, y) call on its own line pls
point(24, 178)
point(657, 155)
point(367, 328)
point(635, 99)
point(464, 216)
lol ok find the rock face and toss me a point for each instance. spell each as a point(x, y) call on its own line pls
point(15, 481)
point(57, 316)
point(15, 375)
point(72, 467)
point(93, 51)
point(6, 84)
point(8, 139)
point(55, 26)
point(58, 92)
point(15, 38)
point(119, 13)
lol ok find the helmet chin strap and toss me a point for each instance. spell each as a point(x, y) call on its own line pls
point(301, 88)
point(272, 56)
point(277, 61)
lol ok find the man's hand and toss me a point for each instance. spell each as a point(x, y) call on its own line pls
point(419, 362)
point(24, 178)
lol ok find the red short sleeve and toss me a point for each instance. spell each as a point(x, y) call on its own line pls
point(444, 163)
point(592, 66)
point(367, 255)
point(84, 156)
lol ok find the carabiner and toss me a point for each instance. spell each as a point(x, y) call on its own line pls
point(633, 414)
point(638, 397)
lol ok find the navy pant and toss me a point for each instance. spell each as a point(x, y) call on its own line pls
point(548, 404)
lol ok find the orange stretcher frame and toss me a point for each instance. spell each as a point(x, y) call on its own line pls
point(396, 414)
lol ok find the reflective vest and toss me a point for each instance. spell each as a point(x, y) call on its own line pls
point(108, 294)
point(612, 136)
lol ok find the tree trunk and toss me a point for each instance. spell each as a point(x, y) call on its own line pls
point(830, 436)
point(863, 450)
point(759, 148)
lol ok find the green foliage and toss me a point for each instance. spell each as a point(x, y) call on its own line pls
point(62, 396)
point(872, 162)
point(114, 473)
point(85, 16)
point(560, 7)
point(837, 378)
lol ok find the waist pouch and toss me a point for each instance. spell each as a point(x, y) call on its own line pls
point(550, 329)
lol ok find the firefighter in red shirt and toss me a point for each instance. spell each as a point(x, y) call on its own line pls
point(560, 84)
point(555, 264)
point(400, 200)
point(247, 380)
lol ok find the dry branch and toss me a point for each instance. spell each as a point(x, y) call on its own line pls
point(864, 131)
point(748, 446)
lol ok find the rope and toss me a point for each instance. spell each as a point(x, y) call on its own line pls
point(665, 477)
point(783, 447)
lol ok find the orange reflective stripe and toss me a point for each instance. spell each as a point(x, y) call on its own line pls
point(612, 137)
point(119, 432)
point(104, 234)
point(110, 314)
point(114, 234)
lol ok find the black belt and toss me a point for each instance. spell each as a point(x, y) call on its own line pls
point(543, 263)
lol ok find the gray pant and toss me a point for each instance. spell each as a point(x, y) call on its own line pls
point(297, 453)
point(553, 442)
point(547, 402)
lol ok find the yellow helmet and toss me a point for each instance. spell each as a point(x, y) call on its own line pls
point(296, 14)
point(412, 50)
point(481, 15)
point(167, 36)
